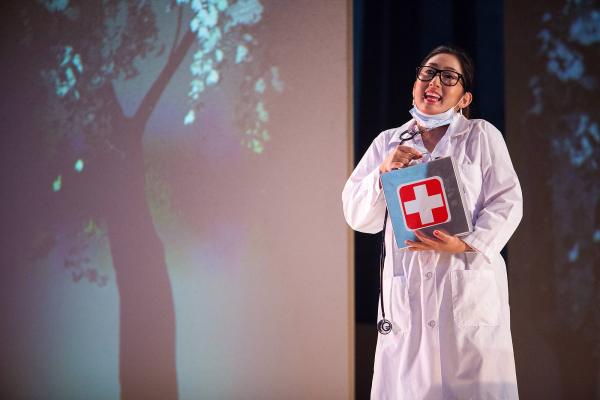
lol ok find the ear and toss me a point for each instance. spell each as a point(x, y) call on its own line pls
point(466, 100)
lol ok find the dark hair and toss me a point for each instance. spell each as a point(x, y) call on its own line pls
point(466, 64)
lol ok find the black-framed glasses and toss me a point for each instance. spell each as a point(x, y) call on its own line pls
point(448, 77)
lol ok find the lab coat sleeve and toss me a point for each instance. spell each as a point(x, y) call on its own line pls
point(362, 197)
point(502, 206)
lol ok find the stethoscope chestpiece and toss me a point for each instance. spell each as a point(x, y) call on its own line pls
point(384, 326)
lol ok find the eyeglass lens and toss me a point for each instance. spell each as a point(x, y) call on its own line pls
point(448, 78)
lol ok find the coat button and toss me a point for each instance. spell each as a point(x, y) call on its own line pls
point(428, 275)
point(431, 323)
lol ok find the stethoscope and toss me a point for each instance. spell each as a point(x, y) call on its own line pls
point(384, 325)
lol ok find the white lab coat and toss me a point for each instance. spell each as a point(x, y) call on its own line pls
point(451, 335)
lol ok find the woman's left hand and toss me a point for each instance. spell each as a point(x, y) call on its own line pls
point(442, 242)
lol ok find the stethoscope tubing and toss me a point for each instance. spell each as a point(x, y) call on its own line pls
point(384, 326)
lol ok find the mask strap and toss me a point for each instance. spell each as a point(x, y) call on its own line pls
point(461, 108)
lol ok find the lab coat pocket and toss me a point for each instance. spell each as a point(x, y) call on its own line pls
point(475, 298)
point(400, 308)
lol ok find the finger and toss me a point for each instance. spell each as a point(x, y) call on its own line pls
point(415, 249)
point(397, 165)
point(443, 236)
point(404, 155)
point(400, 158)
point(410, 150)
point(417, 245)
point(388, 165)
point(403, 162)
point(423, 237)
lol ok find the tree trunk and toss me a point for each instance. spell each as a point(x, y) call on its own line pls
point(147, 354)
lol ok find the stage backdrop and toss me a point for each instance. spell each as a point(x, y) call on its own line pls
point(172, 222)
point(553, 127)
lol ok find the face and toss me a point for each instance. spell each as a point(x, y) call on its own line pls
point(433, 97)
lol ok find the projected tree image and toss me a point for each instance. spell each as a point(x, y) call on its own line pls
point(565, 124)
point(81, 50)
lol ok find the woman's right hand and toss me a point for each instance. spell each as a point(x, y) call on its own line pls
point(400, 157)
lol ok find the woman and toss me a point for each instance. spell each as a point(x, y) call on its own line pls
point(447, 296)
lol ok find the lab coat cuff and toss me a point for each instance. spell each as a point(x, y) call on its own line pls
point(478, 246)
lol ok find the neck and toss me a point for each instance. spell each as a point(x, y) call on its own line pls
point(433, 136)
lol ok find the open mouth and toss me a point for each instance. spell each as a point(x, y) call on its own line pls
point(431, 97)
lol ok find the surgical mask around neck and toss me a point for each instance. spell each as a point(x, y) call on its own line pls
point(428, 121)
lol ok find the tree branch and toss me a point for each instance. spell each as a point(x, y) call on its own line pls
point(156, 90)
point(177, 31)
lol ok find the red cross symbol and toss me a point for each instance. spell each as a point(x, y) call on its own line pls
point(424, 203)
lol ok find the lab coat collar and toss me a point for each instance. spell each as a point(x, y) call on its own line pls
point(459, 126)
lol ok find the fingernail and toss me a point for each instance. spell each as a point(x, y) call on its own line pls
point(436, 233)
